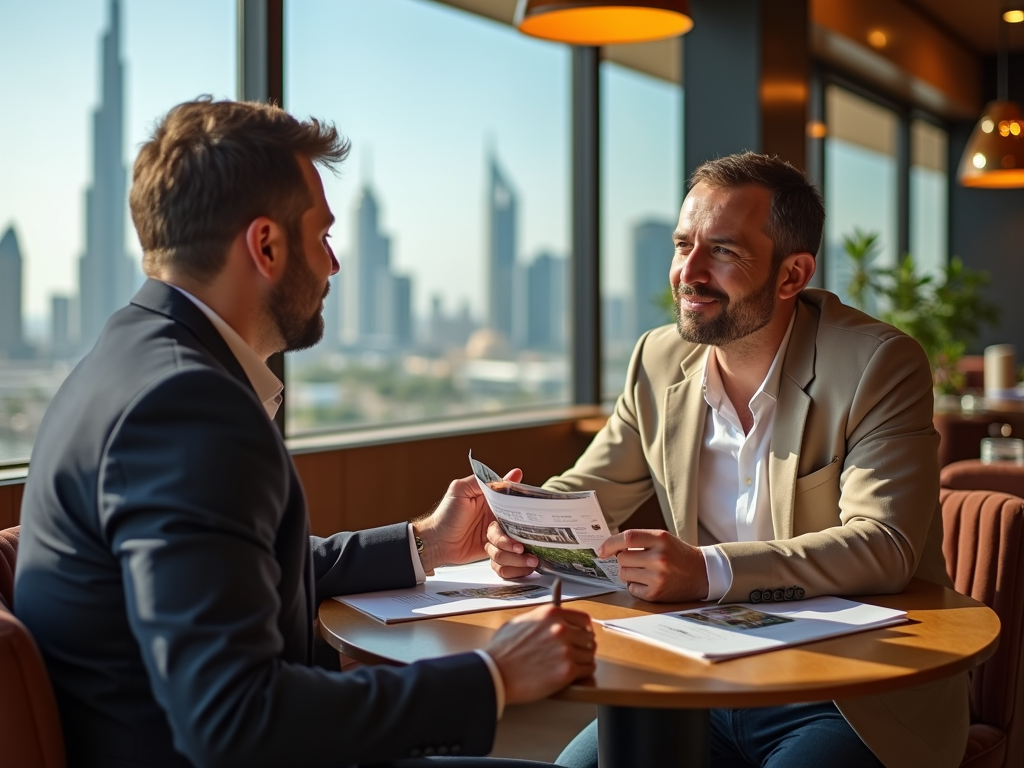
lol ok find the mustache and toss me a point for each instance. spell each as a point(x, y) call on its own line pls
point(698, 290)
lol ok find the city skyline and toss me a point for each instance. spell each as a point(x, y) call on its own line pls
point(106, 273)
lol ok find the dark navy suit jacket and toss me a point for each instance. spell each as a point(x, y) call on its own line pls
point(167, 573)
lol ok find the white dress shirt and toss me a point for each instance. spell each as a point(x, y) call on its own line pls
point(268, 389)
point(733, 500)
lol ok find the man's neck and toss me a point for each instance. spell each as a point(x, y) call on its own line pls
point(221, 296)
point(744, 363)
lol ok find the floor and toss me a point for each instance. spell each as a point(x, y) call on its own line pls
point(540, 730)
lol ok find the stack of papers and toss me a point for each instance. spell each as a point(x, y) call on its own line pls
point(725, 631)
point(463, 589)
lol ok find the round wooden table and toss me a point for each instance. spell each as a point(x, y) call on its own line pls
point(652, 701)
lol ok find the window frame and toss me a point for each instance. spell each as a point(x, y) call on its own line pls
point(906, 114)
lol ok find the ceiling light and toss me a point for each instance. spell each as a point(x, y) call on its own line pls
point(1014, 16)
point(994, 155)
point(994, 158)
point(603, 22)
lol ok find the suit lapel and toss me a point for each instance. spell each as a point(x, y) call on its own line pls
point(160, 297)
point(790, 418)
point(685, 410)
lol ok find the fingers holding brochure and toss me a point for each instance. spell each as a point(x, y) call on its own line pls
point(509, 558)
point(541, 652)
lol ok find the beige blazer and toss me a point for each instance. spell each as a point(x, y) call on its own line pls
point(854, 483)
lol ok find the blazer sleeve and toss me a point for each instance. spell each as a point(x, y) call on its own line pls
point(362, 561)
point(191, 495)
point(615, 464)
point(886, 523)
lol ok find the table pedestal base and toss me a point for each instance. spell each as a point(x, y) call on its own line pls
point(632, 737)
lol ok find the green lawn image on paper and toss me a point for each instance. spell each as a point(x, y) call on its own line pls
point(580, 561)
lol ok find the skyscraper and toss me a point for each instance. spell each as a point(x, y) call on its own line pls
point(376, 306)
point(12, 339)
point(546, 303)
point(501, 252)
point(106, 272)
point(652, 256)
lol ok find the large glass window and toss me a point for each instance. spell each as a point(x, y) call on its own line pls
point(84, 81)
point(929, 197)
point(452, 213)
point(641, 191)
point(860, 182)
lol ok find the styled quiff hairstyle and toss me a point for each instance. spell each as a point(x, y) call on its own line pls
point(797, 214)
point(212, 167)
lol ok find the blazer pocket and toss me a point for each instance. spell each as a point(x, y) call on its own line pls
point(816, 505)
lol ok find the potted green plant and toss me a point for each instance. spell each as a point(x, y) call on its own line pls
point(944, 315)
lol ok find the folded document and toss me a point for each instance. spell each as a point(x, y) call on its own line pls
point(720, 632)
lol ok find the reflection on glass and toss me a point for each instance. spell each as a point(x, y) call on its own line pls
point(641, 191)
point(90, 78)
point(929, 197)
point(452, 213)
point(860, 182)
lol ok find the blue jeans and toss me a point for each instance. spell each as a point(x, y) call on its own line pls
point(792, 736)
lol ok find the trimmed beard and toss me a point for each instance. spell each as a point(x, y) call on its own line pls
point(290, 301)
point(748, 314)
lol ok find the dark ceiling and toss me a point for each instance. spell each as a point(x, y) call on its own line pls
point(975, 23)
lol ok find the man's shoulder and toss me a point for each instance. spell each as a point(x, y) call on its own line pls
point(833, 316)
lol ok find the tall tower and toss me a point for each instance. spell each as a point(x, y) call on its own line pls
point(105, 271)
point(12, 340)
point(652, 256)
point(368, 301)
point(546, 303)
point(501, 254)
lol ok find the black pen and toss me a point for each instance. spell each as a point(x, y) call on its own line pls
point(556, 592)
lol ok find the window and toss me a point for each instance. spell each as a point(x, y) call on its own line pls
point(641, 191)
point(929, 197)
point(453, 213)
point(860, 181)
point(89, 78)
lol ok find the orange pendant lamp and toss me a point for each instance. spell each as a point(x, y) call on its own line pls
point(603, 22)
point(994, 156)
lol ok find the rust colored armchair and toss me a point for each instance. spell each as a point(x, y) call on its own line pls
point(983, 543)
point(30, 733)
point(973, 475)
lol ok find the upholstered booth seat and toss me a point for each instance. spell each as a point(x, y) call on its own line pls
point(30, 734)
point(974, 475)
point(983, 543)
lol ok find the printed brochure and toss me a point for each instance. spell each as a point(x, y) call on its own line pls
point(562, 530)
point(462, 589)
point(720, 632)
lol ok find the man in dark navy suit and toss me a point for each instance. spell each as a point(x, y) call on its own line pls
point(166, 568)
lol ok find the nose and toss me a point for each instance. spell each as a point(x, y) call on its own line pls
point(335, 266)
point(690, 268)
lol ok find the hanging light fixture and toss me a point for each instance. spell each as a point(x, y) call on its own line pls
point(994, 156)
point(603, 22)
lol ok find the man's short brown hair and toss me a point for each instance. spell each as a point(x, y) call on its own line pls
point(797, 215)
point(212, 167)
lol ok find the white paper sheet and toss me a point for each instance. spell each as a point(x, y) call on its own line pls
point(721, 632)
point(563, 530)
point(463, 589)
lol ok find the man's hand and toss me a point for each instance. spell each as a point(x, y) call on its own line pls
point(658, 566)
point(508, 558)
point(456, 531)
point(542, 651)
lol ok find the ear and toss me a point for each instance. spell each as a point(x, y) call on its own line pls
point(795, 273)
point(267, 247)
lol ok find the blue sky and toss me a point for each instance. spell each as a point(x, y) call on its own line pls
point(422, 90)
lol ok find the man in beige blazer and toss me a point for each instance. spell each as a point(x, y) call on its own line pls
point(789, 441)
